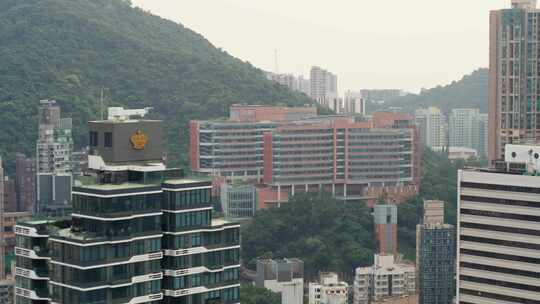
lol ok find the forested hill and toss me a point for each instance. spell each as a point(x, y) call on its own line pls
point(471, 91)
point(69, 50)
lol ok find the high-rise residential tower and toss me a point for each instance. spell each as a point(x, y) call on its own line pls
point(435, 256)
point(139, 232)
point(514, 110)
point(498, 230)
point(323, 84)
point(432, 125)
point(25, 182)
point(53, 151)
point(385, 220)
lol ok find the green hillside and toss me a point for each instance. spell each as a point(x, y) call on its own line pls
point(469, 92)
point(69, 50)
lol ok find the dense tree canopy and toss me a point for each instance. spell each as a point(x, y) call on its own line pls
point(250, 294)
point(328, 235)
point(439, 182)
point(69, 50)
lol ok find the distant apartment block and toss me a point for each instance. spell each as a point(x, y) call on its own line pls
point(435, 256)
point(514, 111)
point(385, 221)
point(293, 150)
point(467, 129)
point(328, 290)
point(353, 103)
point(54, 151)
point(380, 95)
point(25, 182)
point(298, 84)
point(498, 230)
point(323, 84)
point(432, 126)
point(386, 279)
point(284, 276)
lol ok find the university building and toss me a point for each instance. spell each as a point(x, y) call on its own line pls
point(139, 232)
point(292, 150)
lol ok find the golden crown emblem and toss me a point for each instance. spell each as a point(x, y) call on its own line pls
point(139, 140)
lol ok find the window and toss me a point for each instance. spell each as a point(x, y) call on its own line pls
point(108, 139)
point(94, 139)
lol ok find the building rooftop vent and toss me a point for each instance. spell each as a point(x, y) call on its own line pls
point(524, 154)
point(121, 114)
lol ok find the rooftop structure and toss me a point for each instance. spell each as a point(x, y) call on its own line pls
point(387, 278)
point(285, 276)
point(329, 290)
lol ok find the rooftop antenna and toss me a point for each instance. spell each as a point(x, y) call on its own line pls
point(276, 61)
point(101, 103)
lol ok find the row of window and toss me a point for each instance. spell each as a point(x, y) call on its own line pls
point(184, 199)
point(147, 224)
point(203, 279)
point(102, 296)
point(215, 259)
point(186, 220)
point(103, 275)
point(107, 139)
point(100, 253)
point(106, 206)
point(228, 236)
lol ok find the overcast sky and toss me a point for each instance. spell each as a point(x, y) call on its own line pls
point(368, 44)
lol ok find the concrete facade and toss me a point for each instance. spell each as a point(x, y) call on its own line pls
point(385, 221)
point(433, 127)
point(498, 235)
point(284, 276)
point(387, 278)
point(329, 290)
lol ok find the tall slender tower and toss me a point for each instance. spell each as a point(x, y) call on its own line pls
point(2, 242)
point(514, 78)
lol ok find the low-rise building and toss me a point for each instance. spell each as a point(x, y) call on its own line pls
point(387, 278)
point(284, 276)
point(329, 290)
point(239, 200)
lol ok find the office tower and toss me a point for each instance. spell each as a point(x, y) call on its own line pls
point(385, 221)
point(239, 200)
point(514, 114)
point(435, 256)
point(329, 290)
point(387, 278)
point(285, 276)
point(54, 149)
point(298, 151)
point(139, 232)
point(498, 229)
point(432, 125)
point(323, 84)
point(25, 182)
point(353, 103)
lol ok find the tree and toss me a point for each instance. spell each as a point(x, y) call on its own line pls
point(250, 294)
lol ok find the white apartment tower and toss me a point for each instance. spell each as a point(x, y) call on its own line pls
point(385, 279)
point(329, 290)
point(432, 126)
point(498, 254)
point(323, 84)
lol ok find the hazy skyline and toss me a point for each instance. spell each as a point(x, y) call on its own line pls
point(368, 44)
